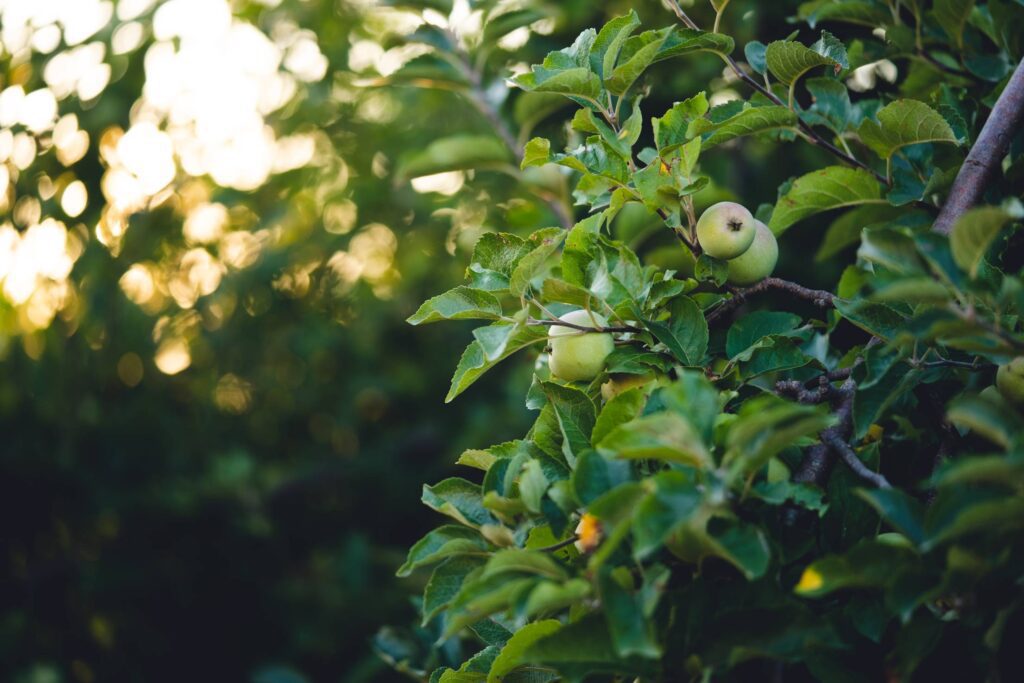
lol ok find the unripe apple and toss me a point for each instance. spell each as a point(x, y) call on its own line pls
point(1010, 381)
point(621, 383)
point(757, 262)
point(725, 230)
point(578, 356)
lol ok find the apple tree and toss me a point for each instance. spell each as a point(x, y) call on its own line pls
point(735, 475)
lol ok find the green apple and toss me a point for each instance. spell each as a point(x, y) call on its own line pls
point(1010, 381)
point(620, 383)
point(725, 230)
point(578, 356)
point(757, 262)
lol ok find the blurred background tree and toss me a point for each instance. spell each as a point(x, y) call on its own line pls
point(214, 218)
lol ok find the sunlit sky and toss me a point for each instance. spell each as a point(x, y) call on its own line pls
point(213, 84)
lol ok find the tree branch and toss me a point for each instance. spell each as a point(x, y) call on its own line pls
point(818, 462)
point(818, 297)
point(986, 154)
point(797, 390)
point(849, 456)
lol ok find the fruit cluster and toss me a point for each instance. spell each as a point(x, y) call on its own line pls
point(728, 231)
point(725, 231)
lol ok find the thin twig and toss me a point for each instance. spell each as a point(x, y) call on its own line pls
point(582, 328)
point(561, 544)
point(856, 465)
point(986, 155)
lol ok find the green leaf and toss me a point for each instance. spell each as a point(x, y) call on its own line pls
point(549, 597)
point(902, 123)
point(494, 339)
point(711, 270)
point(834, 187)
point(789, 60)
point(548, 241)
point(675, 499)
point(764, 427)
point(956, 513)
point(495, 256)
point(461, 303)
point(577, 82)
point(868, 564)
point(576, 415)
point(536, 153)
point(533, 484)
point(756, 53)
point(694, 397)
point(752, 328)
point(512, 655)
point(639, 58)
point(621, 409)
point(903, 513)
point(506, 22)
point(443, 542)
point(585, 648)
point(458, 498)
point(516, 561)
point(989, 417)
point(743, 545)
point(973, 235)
point(632, 361)
point(772, 354)
point(784, 492)
point(596, 474)
point(670, 130)
point(631, 633)
point(655, 185)
point(880, 320)
point(892, 249)
point(861, 12)
point(609, 42)
point(831, 103)
point(480, 598)
point(455, 153)
point(845, 230)
point(914, 290)
point(870, 404)
point(952, 16)
point(660, 436)
point(445, 583)
point(685, 41)
point(481, 460)
point(685, 333)
point(750, 121)
point(474, 362)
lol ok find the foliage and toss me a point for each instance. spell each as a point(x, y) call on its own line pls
point(213, 412)
point(828, 486)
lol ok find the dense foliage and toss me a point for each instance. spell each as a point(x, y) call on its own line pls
point(775, 482)
point(215, 419)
